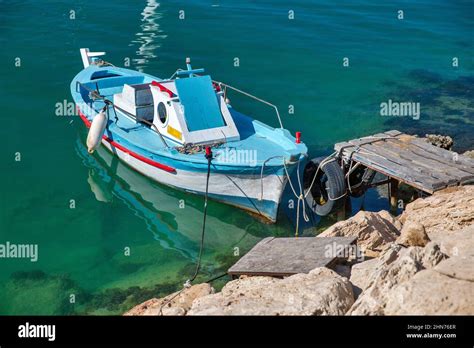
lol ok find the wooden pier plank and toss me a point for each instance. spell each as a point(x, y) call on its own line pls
point(459, 161)
point(438, 168)
point(434, 169)
point(410, 160)
point(402, 173)
point(408, 163)
point(393, 133)
point(462, 162)
point(286, 256)
point(394, 166)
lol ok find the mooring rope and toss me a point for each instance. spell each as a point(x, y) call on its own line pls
point(188, 282)
point(300, 198)
point(198, 265)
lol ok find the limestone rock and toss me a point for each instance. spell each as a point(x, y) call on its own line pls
point(459, 267)
point(413, 234)
point(394, 268)
point(177, 303)
point(374, 231)
point(469, 154)
point(320, 292)
point(444, 212)
point(458, 243)
point(390, 218)
point(361, 274)
point(430, 256)
point(430, 292)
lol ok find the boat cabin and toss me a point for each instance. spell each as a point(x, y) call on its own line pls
point(189, 109)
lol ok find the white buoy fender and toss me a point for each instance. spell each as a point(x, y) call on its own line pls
point(96, 131)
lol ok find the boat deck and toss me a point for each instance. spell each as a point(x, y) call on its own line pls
point(254, 136)
point(410, 160)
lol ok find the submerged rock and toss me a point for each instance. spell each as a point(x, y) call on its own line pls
point(374, 231)
point(38, 293)
point(447, 107)
point(177, 303)
point(320, 292)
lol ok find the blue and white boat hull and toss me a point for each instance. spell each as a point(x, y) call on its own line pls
point(243, 191)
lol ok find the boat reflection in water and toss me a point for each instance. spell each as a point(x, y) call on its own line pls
point(174, 217)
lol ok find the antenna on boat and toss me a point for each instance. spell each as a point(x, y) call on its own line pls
point(89, 57)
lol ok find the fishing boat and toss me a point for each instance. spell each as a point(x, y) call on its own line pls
point(183, 132)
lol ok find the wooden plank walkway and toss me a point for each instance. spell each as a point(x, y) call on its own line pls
point(281, 257)
point(410, 160)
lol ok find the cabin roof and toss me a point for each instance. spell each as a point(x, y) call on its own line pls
point(201, 110)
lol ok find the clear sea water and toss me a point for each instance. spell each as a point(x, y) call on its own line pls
point(298, 62)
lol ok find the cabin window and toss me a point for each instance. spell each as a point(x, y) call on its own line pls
point(162, 114)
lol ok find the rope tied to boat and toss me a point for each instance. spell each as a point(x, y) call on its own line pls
point(300, 197)
point(209, 157)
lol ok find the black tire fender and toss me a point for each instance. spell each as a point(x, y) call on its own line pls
point(328, 193)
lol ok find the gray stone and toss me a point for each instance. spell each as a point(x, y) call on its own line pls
point(374, 231)
point(387, 276)
point(177, 303)
point(431, 293)
point(320, 292)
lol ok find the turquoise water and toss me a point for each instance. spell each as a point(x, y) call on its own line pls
point(299, 62)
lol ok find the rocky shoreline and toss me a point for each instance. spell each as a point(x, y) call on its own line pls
point(419, 263)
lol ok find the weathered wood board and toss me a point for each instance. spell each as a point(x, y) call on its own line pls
point(410, 160)
point(286, 256)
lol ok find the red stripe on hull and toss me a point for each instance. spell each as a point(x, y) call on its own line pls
point(124, 149)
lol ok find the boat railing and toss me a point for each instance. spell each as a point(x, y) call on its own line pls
point(95, 94)
point(222, 84)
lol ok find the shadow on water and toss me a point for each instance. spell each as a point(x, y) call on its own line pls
point(447, 106)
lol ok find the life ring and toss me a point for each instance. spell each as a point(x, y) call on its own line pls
point(328, 192)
